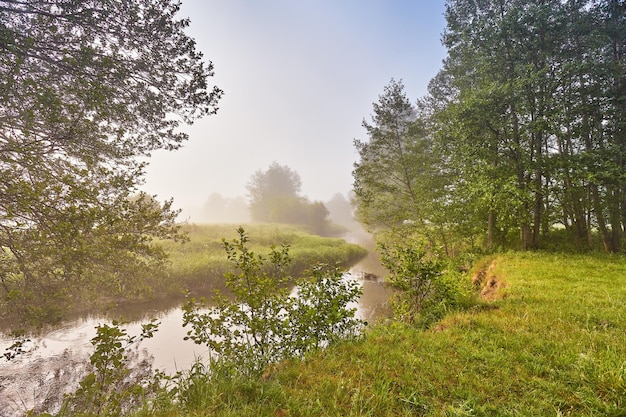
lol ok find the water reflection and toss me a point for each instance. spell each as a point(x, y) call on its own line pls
point(58, 357)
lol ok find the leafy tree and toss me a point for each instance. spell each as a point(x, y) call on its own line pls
point(274, 196)
point(89, 89)
point(268, 190)
point(527, 115)
point(499, 58)
point(394, 180)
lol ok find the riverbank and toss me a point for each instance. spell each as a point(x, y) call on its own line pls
point(200, 263)
point(57, 357)
point(197, 266)
point(548, 338)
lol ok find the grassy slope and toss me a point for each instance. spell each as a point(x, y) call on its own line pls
point(552, 342)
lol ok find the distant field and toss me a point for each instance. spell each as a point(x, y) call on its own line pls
point(549, 339)
point(201, 262)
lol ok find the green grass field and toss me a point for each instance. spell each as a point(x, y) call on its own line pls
point(547, 339)
point(201, 262)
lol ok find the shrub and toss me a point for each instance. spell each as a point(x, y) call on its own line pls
point(117, 383)
point(426, 292)
point(261, 323)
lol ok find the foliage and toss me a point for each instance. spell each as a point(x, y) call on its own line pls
point(89, 90)
point(274, 196)
point(199, 264)
point(522, 131)
point(322, 312)
point(260, 323)
point(550, 343)
point(214, 390)
point(115, 386)
point(427, 291)
point(67, 269)
point(528, 115)
point(391, 178)
point(247, 328)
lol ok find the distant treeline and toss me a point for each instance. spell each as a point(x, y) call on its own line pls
point(274, 196)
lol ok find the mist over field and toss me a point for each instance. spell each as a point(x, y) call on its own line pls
point(354, 207)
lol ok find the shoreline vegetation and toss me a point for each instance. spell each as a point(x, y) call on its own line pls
point(200, 263)
point(195, 266)
point(547, 336)
point(539, 333)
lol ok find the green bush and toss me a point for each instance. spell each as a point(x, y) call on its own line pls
point(260, 323)
point(427, 291)
point(117, 384)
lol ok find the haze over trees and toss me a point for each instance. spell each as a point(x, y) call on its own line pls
point(341, 212)
point(274, 197)
point(220, 209)
point(87, 89)
point(525, 126)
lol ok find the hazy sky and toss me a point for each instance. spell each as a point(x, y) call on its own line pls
point(299, 77)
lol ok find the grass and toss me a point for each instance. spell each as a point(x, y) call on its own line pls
point(200, 263)
point(197, 265)
point(551, 341)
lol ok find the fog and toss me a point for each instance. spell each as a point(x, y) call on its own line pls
point(220, 209)
point(299, 78)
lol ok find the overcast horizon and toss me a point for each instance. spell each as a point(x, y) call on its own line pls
point(298, 80)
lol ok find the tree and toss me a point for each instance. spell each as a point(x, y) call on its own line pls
point(539, 90)
point(268, 190)
point(395, 173)
point(274, 196)
point(501, 61)
point(219, 209)
point(88, 91)
point(341, 212)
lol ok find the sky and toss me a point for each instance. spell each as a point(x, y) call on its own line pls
point(299, 77)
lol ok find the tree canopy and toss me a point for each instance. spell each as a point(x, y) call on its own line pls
point(537, 122)
point(385, 177)
point(526, 127)
point(88, 90)
point(274, 196)
point(395, 179)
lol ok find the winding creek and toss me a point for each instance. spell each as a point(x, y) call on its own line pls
point(56, 358)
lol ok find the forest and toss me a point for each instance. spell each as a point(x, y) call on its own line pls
point(523, 132)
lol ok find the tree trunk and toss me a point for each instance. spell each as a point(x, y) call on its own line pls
point(599, 212)
point(491, 227)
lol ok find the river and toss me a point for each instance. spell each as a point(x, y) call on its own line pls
point(57, 357)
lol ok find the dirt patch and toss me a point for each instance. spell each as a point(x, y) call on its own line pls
point(488, 282)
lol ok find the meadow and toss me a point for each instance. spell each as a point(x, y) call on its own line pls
point(196, 265)
point(199, 264)
point(547, 337)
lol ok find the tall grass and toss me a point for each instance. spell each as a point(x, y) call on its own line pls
point(200, 263)
point(551, 341)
